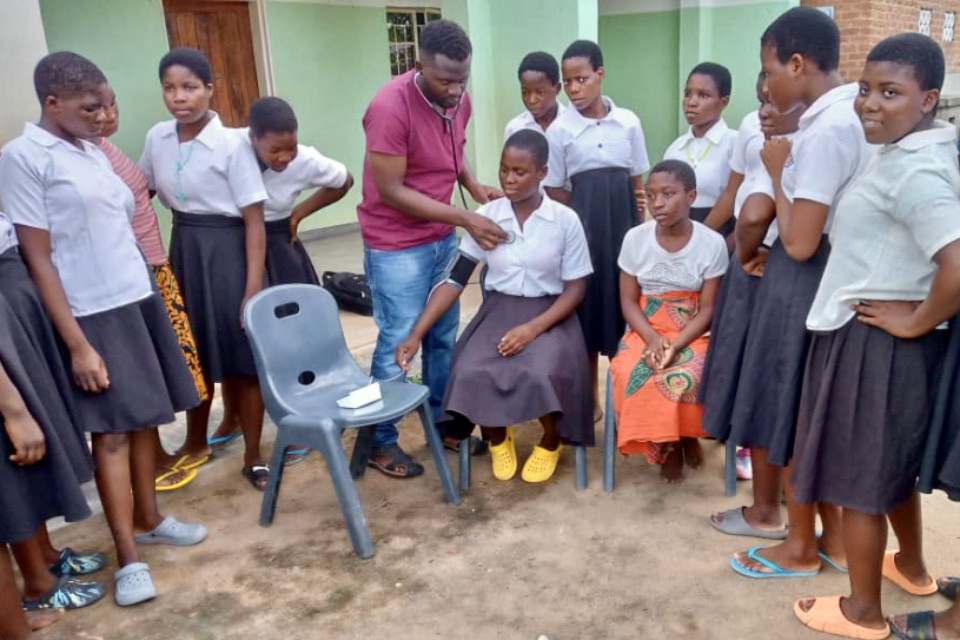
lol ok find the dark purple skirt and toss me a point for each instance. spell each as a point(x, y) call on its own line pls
point(768, 392)
point(30, 355)
point(287, 262)
point(941, 459)
point(728, 337)
point(864, 417)
point(149, 378)
point(605, 201)
point(550, 376)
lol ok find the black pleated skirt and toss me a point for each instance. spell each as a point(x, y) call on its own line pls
point(209, 258)
point(864, 417)
point(941, 459)
point(728, 338)
point(287, 262)
point(30, 355)
point(700, 215)
point(768, 392)
point(149, 378)
point(605, 201)
point(550, 376)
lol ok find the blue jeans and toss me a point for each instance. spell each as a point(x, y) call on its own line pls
point(400, 282)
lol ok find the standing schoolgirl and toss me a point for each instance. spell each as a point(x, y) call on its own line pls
point(217, 249)
point(756, 231)
point(892, 278)
point(539, 76)
point(72, 214)
point(522, 357)
point(178, 471)
point(600, 149)
point(290, 168)
point(670, 275)
point(708, 145)
point(800, 52)
point(46, 484)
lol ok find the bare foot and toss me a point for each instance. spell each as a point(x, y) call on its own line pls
point(43, 618)
point(783, 555)
point(671, 469)
point(183, 459)
point(692, 453)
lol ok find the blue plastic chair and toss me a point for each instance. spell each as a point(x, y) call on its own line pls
point(304, 367)
point(610, 449)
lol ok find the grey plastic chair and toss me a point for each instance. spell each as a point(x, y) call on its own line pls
point(610, 449)
point(304, 366)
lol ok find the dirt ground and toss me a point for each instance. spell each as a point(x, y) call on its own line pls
point(513, 561)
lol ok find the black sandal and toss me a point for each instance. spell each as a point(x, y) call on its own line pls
point(478, 447)
point(948, 587)
point(256, 472)
point(919, 626)
point(399, 459)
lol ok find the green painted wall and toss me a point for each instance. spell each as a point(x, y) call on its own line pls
point(648, 57)
point(126, 39)
point(639, 52)
point(328, 62)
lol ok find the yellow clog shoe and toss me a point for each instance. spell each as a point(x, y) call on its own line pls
point(503, 457)
point(541, 464)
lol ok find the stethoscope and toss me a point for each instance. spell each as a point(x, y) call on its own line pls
point(448, 121)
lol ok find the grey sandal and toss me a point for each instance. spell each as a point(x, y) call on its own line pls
point(173, 532)
point(133, 585)
point(734, 523)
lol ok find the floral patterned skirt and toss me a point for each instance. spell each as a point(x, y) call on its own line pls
point(654, 408)
point(173, 301)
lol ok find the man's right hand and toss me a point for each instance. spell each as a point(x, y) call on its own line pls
point(485, 231)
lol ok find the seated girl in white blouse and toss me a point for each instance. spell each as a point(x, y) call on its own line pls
point(523, 356)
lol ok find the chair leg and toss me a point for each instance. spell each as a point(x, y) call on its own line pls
point(436, 449)
point(464, 464)
point(580, 458)
point(361, 451)
point(730, 470)
point(271, 493)
point(609, 438)
point(332, 449)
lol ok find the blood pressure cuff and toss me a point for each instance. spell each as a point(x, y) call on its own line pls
point(460, 269)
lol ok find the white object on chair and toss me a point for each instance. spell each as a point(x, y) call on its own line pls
point(361, 397)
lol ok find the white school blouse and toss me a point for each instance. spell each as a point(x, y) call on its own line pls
point(710, 158)
point(310, 169)
point(8, 237)
point(209, 174)
point(72, 192)
point(579, 144)
point(549, 250)
point(889, 225)
point(526, 121)
point(829, 151)
point(659, 271)
point(746, 160)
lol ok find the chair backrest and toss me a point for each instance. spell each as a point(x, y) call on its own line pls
point(298, 345)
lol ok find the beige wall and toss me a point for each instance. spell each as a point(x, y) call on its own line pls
point(22, 44)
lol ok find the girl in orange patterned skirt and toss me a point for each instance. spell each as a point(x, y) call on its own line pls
point(670, 272)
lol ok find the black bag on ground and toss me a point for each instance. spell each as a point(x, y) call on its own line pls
point(350, 290)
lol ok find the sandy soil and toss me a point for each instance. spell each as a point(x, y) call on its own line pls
point(513, 561)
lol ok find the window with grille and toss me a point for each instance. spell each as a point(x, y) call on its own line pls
point(924, 21)
point(403, 34)
point(949, 21)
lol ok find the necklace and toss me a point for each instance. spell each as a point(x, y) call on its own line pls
point(181, 165)
point(696, 161)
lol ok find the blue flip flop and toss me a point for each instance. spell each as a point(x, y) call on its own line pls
point(833, 563)
point(220, 442)
point(775, 570)
point(294, 456)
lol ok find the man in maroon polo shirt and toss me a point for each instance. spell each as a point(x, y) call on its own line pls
point(416, 133)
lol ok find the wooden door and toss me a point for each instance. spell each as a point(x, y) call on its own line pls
point(221, 30)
